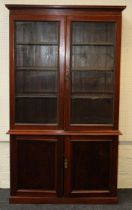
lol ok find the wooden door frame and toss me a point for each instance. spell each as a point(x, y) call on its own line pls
point(61, 62)
point(67, 110)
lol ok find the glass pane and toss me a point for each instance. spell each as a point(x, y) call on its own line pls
point(36, 72)
point(93, 33)
point(92, 72)
point(36, 56)
point(36, 32)
point(92, 81)
point(94, 109)
point(32, 81)
point(92, 57)
point(32, 109)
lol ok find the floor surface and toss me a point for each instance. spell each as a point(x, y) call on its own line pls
point(124, 195)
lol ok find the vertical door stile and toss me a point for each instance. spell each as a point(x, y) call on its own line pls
point(67, 74)
point(60, 167)
point(67, 167)
point(62, 71)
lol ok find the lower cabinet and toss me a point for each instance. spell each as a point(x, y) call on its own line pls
point(37, 164)
point(68, 169)
point(92, 166)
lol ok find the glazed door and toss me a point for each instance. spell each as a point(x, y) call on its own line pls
point(38, 72)
point(91, 166)
point(91, 72)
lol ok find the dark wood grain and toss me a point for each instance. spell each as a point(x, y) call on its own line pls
point(91, 132)
point(27, 82)
point(63, 200)
point(74, 108)
point(64, 103)
point(92, 111)
point(36, 110)
point(12, 72)
point(117, 72)
point(90, 7)
point(37, 165)
point(90, 170)
point(35, 101)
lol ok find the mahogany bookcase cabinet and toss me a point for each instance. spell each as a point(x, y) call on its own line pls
point(64, 103)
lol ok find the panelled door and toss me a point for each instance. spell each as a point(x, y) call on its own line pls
point(37, 166)
point(91, 167)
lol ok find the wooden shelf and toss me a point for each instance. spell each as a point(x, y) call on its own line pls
point(38, 43)
point(92, 96)
point(91, 92)
point(93, 44)
point(91, 69)
point(36, 96)
point(44, 68)
point(37, 68)
point(62, 132)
